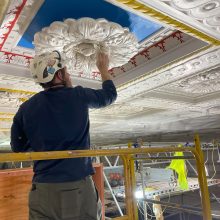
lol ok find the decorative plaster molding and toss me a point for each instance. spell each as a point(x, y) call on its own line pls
point(152, 40)
point(175, 72)
point(25, 17)
point(11, 17)
point(28, 12)
point(20, 85)
point(15, 56)
point(5, 125)
point(80, 40)
point(156, 37)
point(9, 102)
point(197, 85)
point(205, 12)
point(12, 58)
point(121, 110)
point(151, 52)
point(164, 45)
point(154, 10)
point(201, 14)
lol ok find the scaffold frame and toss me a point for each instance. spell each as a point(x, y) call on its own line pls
point(127, 156)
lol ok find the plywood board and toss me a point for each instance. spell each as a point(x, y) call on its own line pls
point(14, 189)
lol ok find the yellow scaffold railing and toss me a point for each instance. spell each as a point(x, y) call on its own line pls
point(127, 156)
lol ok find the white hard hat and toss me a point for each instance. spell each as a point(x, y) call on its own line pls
point(44, 66)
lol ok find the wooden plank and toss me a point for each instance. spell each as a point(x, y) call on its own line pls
point(14, 190)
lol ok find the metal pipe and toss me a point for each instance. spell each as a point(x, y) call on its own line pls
point(175, 206)
point(116, 161)
point(113, 195)
point(172, 214)
point(202, 180)
point(49, 155)
point(125, 217)
point(145, 210)
point(130, 185)
point(128, 188)
point(133, 188)
point(163, 158)
point(143, 191)
point(218, 149)
point(109, 163)
point(155, 163)
point(217, 199)
point(192, 167)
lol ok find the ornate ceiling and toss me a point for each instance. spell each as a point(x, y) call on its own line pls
point(201, 14)
point(171, 86)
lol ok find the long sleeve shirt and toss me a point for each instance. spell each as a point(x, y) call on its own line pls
point(57, 119)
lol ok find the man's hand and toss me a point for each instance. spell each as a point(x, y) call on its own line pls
point(102, 62)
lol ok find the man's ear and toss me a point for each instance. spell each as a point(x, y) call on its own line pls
point(59, 75)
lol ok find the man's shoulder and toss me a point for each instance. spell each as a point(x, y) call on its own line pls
point(74, 89)
point(77, 90)
point(30, 100)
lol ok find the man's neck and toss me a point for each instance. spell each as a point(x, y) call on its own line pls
point(55, 86)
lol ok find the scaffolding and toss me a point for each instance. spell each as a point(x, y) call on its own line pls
point(128, 157)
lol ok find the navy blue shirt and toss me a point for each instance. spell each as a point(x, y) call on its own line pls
point(57, 119)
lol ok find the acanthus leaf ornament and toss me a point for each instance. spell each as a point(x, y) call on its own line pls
point(80, 40)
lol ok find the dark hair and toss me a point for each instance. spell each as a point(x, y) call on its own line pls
point(52, 83)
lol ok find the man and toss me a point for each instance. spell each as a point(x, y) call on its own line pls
point(57, 119)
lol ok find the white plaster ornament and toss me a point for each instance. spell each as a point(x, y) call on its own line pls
point(80, 40)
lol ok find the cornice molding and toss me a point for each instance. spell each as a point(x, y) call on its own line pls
point(164, 18)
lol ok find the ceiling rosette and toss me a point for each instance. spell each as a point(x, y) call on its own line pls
point(80, 40)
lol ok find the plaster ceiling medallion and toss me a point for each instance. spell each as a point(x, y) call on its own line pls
point(80, 40)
